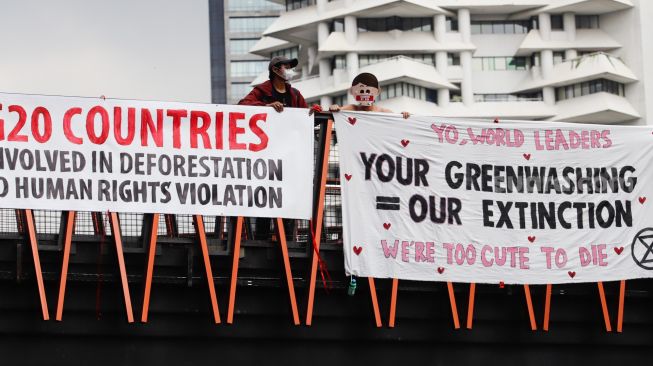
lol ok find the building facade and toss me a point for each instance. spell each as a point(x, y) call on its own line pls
point(577, 61)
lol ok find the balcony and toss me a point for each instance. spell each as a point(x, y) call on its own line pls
point(586, 39)
point(603, 108)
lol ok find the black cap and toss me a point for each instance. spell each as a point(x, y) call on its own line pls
point(279, 60)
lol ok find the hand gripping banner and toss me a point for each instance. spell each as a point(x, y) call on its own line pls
point(92, 154)
point(518, 202)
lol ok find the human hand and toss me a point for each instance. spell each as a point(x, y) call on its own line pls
point(334, 108)
point(278, 106)
point(405, 115)
point(315, 108)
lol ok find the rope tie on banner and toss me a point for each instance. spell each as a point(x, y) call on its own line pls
point(324, 272)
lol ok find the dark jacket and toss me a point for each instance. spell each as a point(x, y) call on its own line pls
point(262, 95)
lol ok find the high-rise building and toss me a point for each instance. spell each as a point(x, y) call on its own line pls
point(236, 26)
point(571, 60)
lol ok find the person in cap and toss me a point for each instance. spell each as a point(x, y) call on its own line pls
point(277, 92)
point(365, 89)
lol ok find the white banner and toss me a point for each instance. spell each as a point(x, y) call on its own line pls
point(519, 202)
point(92, 154)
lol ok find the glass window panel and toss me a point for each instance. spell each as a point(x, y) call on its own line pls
point(509, 28)
point(499, 63)
point(241, 46)
point(520, 27)
point(569, 91)
point(497, 28)
point(556, 22)
point(486, 27)
point(250, 24)
point(476, 27)
point(488, 63)
point(240, 5)
point(477, 64)
point(585, 88)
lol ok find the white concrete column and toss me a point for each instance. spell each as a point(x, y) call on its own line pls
point(548, 95)
point(441, 63)
point(466, 85)
point(464, 24)
point(569, 25)
point(546, 63)
point(322, 33)
point(569, 54)
point(439, 27)
point(351, 29)
point(326, 101)
point(352, 64)
point(324, 68)
point(321, 6)
point(544, 20)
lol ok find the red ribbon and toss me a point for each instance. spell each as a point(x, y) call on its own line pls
point(326, 280)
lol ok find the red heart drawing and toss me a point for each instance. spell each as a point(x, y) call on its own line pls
point(358, 250)
point(352, 120)
point(572, 274)
point(618, 250)
point(531, 238)
point(527, 156)
point(501, 284)
point(440, 270)
point(642, 200)
point(405, 142)
point(348, 176)
point(496, 120)
point(386, 225)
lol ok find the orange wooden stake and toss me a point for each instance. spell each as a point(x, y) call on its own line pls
point(286, 262)
point(375, 303)
point(318, 223)
point(201, 233)
point(470, 306)
point(393, 302)
point(604, 306)
point(529, 304)
point(547, 308)
point(151, 254)
point(68, 235)
point(454, 308)
point(234, 269)
point(115, 230)
point(31, 230)
point(622, 298)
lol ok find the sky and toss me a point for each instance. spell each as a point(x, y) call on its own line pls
point(131, 49)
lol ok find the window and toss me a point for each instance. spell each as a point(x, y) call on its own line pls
point(249, 24)
point(241, 46)
point(297, 4)
point(499, 27)
point(364, 60)
point(340, 99)
point(258, 5)
point(339, 62)
point(519, 97)
point(453, 59)
point(587, 21)
point(556, 22)
point(247, 68)
point(589, 87)
point(337, 25)
point(452, 24)
point(392, 23)
point(290, 52)
point(500, 63)
point(454, 95)
point(558, 57)
point(410, 90)
point(239, 90)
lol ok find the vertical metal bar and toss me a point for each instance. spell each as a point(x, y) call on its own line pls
point(325, 140)
point(622, 298)
point(529, 304)
point(234, 270)
point(375, 303)
point(393, 302)
point(470, 306)
point(454, 307)
point(286, 262)
point(68, 235)
point(115, 230)
point(31, 230)
point(201, 233)
point(151, 254)
point(547, 308)
point(604, 307)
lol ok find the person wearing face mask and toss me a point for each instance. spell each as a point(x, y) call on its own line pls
point(365, 89)
point(277, 92)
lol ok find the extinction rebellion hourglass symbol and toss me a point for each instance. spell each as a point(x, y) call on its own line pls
point(642, 248)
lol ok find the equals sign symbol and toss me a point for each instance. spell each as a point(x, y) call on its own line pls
point(387, 203)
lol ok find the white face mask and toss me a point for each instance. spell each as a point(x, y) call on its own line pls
point(286, 74)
